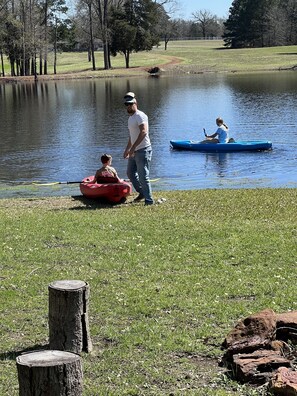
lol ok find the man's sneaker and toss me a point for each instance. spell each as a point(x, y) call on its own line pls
point(139, 197)
point(149, 203)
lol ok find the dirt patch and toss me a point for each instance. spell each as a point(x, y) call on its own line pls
point(60, 203)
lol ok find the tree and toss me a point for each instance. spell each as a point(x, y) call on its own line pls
point(132, 28)
point(236, 26)
point(288, 10)
point(49, 11)
point(102, 10)
point(12, 41)
point(60, 35)
point(207, 22)
point(166, 27)
point(260, 23)
point(3, 17)
point(85, 23)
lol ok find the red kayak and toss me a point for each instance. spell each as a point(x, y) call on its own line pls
point(111, 189)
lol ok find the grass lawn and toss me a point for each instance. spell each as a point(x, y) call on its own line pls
point(192, 56)
point(167, 282)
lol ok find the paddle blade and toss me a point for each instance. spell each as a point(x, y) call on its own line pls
point(45, 184)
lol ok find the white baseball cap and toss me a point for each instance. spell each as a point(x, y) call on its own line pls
point(130, 97)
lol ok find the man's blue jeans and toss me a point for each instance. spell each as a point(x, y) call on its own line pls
point(138, 173)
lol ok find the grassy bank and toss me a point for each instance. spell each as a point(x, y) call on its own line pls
point(193, 56)
point(167, 282)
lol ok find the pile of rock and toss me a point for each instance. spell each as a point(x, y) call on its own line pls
point(261, 349)
point(155, 70)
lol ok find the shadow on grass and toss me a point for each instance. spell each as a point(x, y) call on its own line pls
point(12, 355)
point(287, 53)
point(94, 204)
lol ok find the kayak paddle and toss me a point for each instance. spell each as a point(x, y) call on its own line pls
point(205, 134)
point(75, 182)
point(53, 183)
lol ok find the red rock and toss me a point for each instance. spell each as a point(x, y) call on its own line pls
point(257, 367)
point(284, 382)
point(254, 332)
point(286, 326)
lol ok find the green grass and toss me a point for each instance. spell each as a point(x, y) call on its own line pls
point(167, 282)
point(207, 56)
point(195, 56)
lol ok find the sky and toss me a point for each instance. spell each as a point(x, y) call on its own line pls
point(220, 8)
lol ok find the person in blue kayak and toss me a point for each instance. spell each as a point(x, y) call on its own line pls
point(221, 135)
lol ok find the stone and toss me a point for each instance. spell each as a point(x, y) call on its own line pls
point(254, 332)
point(284, 382)
point(257, 367)
point(259, 345)
point(286, 326)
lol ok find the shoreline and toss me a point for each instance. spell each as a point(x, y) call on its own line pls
point(79, 201)
point(175, 66)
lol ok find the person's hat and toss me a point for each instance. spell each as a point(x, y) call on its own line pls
point(130, 97)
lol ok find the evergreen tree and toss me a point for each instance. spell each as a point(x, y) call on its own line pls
point(132, 28)
point(259, 23)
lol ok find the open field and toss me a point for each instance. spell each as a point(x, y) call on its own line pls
point(167, 282)
point(193, 56)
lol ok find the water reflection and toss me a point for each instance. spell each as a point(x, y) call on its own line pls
point(57, 130)
point(218, 163)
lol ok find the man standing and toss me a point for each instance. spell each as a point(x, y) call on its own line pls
point(138, 150)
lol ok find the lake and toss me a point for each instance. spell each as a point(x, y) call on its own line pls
point(57, 130)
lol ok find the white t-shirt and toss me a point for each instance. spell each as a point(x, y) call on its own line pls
point(138, 118)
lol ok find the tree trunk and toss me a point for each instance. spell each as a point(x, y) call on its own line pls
point(166, 43)
point(68, 316)
point(2, 64)
point(55, 48)
point(40, 62)
point(91, 36)
point(103, 17)
point(45, 37)
point(49, 373)
point(127, 58)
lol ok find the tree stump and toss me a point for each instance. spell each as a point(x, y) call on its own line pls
point(49, 373)
point(68, 316)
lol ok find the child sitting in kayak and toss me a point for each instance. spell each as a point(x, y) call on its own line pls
point(106, 171)
point(221, 134)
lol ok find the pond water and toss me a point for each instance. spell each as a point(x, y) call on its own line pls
point(57, 130)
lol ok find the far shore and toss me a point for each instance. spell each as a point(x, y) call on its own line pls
point(182, 57)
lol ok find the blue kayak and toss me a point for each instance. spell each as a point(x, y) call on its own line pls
point(254, 145)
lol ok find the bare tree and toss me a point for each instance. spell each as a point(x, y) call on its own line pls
point(206, 22)
point(101, 7)
point(171, 6)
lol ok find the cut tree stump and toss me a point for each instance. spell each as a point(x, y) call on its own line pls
point(49, 373)
point(68, 316)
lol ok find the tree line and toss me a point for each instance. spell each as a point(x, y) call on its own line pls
point(30, 30)
point(261, 23)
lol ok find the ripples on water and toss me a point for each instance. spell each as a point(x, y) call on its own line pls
point(57, 131)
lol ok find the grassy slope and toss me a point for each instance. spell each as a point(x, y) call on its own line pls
point(195, 57)
point(167, 283)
